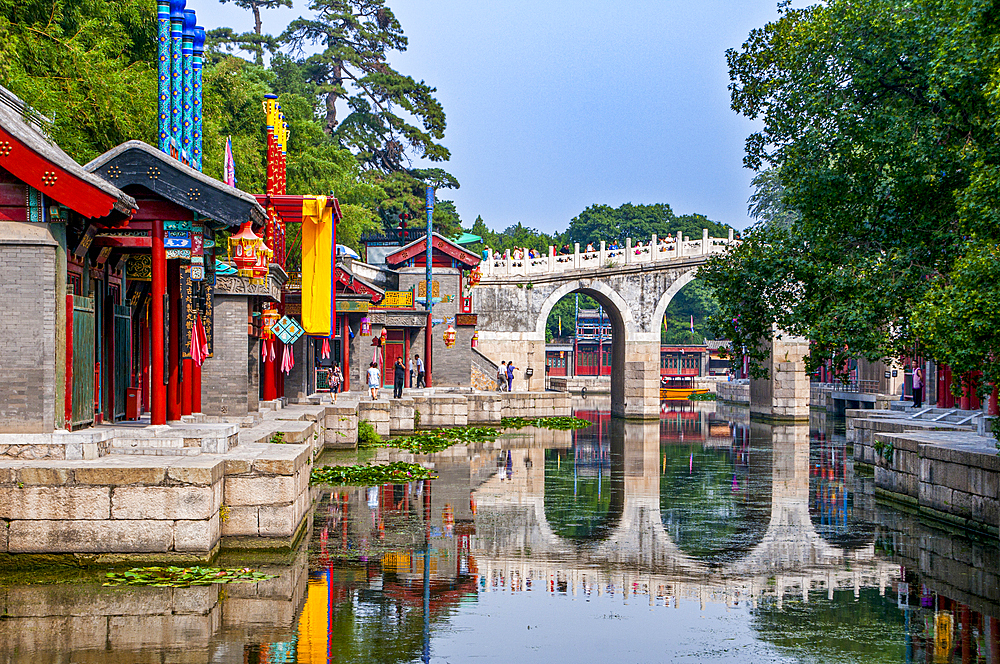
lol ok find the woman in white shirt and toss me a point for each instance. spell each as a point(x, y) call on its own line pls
point(374, 380)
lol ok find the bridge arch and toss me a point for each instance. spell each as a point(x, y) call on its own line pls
point(623, 327)
point(661, 306)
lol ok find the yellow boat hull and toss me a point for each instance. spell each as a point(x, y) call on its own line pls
point(677, 393)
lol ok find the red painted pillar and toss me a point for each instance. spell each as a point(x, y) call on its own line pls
point(345, 346)
point(270, 369)
point(427, 350)
point(195, 388)
point(965, 402)
point(173, 346)
point(994, 639)
point(187, 386)
point(279, 377)
point(158, 287)
point(993, 408)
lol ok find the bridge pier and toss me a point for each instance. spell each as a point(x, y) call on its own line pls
point(784, 394)
point(639, 393)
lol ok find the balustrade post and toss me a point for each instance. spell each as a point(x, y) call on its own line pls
point(507, 264)
point(732, 235)
point(576, 255)
point(654, 248)
point(604, 254)
point(680, 244)
point(704, 241)
point(628, 250)
point(552, 258)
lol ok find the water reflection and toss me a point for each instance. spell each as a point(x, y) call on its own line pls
point(703, 536)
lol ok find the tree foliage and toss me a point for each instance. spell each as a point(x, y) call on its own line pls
point(88, 65)
point(639, 222)
point(881, 117)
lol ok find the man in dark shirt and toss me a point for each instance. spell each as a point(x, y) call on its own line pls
point(399, 373)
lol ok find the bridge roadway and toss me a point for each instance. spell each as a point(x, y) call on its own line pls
point(634, 285)
point(514, 538)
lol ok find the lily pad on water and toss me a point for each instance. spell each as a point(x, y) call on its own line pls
point(183, 577)
point(397, 472)
point(428, 442)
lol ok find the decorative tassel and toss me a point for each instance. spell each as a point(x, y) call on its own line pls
point(325, 353)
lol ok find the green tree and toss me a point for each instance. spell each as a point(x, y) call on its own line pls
point(880, 115)
point(357, 37)
point(88, 65)
point(639, 222)
point(695, 301)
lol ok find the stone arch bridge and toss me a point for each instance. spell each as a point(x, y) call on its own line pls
point(634, 284)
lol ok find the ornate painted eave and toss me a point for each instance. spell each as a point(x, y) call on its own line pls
point(136, 163)
point(31, 157)
point(439, 242)
point(233, 284)
point(356, 284)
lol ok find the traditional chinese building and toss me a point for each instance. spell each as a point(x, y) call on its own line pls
point(65, 354)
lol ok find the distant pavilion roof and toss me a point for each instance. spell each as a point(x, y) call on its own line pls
point(441, 243)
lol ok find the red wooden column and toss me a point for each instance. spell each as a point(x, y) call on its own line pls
point(406, 356)
point(965, 402)
point(195, 388)
point(187, 386)
point(158, 390)
point(279, 378)
point(270, 372)
point(345, 345)
point(173, 369)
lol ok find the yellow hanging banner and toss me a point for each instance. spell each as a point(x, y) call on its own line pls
point(317, 265)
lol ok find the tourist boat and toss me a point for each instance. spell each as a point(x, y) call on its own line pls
point(679, 388)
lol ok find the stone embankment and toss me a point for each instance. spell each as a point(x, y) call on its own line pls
point(735, 391)
point(943, 468)
point(182, 492)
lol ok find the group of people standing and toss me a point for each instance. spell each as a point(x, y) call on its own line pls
point(399, 370)
point(505, 376)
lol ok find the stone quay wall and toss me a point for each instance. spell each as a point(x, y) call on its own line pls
point(944, 470)
point(169, 508)
point(733, 391)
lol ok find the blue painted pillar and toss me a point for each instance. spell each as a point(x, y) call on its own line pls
point(163, 73)
point(176, 37)
point(199, 51)
point(187, 82)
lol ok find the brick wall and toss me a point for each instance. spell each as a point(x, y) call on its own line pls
point(229, 378)
point(27, 331)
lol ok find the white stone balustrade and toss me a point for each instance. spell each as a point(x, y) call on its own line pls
point(653, 251)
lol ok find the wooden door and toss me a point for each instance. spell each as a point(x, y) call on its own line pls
point(393, 350)
point(83, 361)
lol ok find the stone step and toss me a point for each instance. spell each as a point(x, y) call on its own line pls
point(157, 451)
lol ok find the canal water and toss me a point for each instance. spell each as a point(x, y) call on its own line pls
point(702, 537)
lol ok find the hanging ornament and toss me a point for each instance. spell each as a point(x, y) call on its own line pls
point(366, 327)
point(475, 338)
point(243, 247)
point(325, 352)
point(449, 337)
point(474, 277)
point(261, 266)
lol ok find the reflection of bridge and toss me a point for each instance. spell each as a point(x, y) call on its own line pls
point(639, 550)
point(634, 285)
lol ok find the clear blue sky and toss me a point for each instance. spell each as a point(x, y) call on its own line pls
point(557, 105)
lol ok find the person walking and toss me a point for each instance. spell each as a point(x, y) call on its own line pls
point(502, 376)
point(374, 380)
point(398, 376)
point(918, 387)
point(510, 376)
point(336, 380)
point(410, 363)
point(420, 372)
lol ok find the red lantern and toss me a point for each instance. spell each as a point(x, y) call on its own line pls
point(262, 265)
point(244, 247)
point(366, 327)
point(475, 338)
point(449, 337)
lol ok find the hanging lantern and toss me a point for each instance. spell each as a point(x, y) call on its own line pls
point(269, 317)
point(244, 246)
point(384, 335)
point(449, 337)
point(262, 265)
point(366, 327)
point(474, 277)
point(475, 338)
